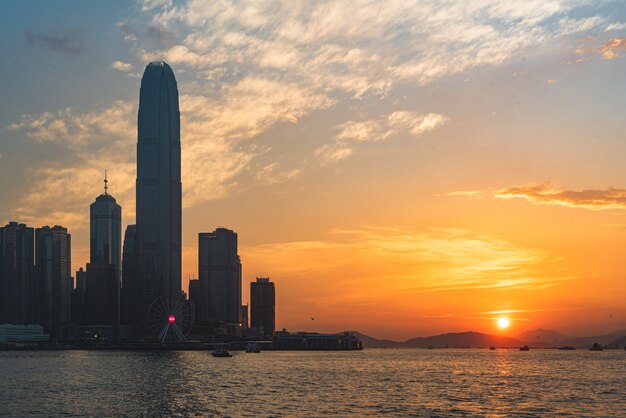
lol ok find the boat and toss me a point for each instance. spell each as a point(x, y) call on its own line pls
point(492, 348)
point(221, 352)
point(567, 347)
point(253, 347)
point(524, 348)
point(596, 347)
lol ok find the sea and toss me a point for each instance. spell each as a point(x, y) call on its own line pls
point(372, 382)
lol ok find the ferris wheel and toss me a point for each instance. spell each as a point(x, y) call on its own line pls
point(169, 320)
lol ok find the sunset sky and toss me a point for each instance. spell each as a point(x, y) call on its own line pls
point(401, 169)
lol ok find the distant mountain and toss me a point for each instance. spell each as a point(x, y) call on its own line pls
point(549, 337)
point(619, 343)
point(537, 338)
point(464, 339)
point(371, 342)
point(461, 339)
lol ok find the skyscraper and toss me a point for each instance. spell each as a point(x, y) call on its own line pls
point(129, 276)
point(105, 230)
point(102, 299)
point(219, 269)
point(158, 190)
point(263, 305)
point(53, 262)
point(16, 273)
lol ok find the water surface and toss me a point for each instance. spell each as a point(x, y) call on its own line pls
point(449, 382)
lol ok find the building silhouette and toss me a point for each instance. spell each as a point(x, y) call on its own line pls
point(219, 269)
point(158, 239)
point(53, 262)
point(129, 276)
point(263, 305)
point(102, 294)
point(17, 285)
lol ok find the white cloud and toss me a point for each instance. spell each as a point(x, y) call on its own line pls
point(121, 66)
point(615, 26)
point(351, 133)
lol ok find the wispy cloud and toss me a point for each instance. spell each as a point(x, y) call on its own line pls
point(409, 262)
point(66, 41)
point(611, 49)
point(351, 133)
point(121, 66)
point(274, 174)
point(544, 194)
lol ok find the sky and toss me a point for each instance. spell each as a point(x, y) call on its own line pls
point(398, 168)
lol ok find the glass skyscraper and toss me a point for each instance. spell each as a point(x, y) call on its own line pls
point(158, 239)
point(219, 269)
point(106, 230)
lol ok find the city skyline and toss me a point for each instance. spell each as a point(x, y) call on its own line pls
point(384, 187)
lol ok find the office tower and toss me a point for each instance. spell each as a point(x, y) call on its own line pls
point(77, 298)
point(105, 248)
point(101, 295)
point(53, 262)
point(105, 229)
point(219, 269)
point(81, 279)
point(244, 317)
point(194, 298)
point(263, 305)
point(129, 276)
point(158, 190)
point(16, 273)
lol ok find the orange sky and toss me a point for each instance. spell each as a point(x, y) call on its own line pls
point(400, 171)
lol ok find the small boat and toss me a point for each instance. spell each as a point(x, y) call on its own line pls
point(221, 352)
point(492, 347)
point(253, 348)
point(567, 347)
point(524, 348)
point(596, 347)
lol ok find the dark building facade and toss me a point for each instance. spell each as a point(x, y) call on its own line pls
point(53, 262)
point(158, 239)
point(263, 305)
point(101, 295)
point(105, 255)
point(219, 269)
point(17, 284)
point(129, 276)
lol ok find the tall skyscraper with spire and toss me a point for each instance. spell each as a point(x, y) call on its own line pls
point(106, 229)
point(102, 293)
point(159, 197)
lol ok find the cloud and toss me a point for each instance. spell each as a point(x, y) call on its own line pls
point(544, 194)
point(374, 130)
point(272, 174)
point(215, 147)
point(121, 66)
point(67, 41)
point(615, 26)
point(409, 262)
point(611, 49)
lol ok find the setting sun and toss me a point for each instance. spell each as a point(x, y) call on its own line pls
point(503, 323)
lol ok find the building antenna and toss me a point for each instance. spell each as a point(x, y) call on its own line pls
point(105, 183)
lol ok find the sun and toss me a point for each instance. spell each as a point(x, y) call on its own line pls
point(504, 323)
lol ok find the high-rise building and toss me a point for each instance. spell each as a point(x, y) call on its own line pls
point(158, 191)
point(16, 273)
point(263, 305)
point(101, 295)
point(105, 249)
point(219, 269)
point(129, 276)
point(53, 262)
point(105, 230)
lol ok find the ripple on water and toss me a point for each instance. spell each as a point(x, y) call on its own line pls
point(372, 382)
